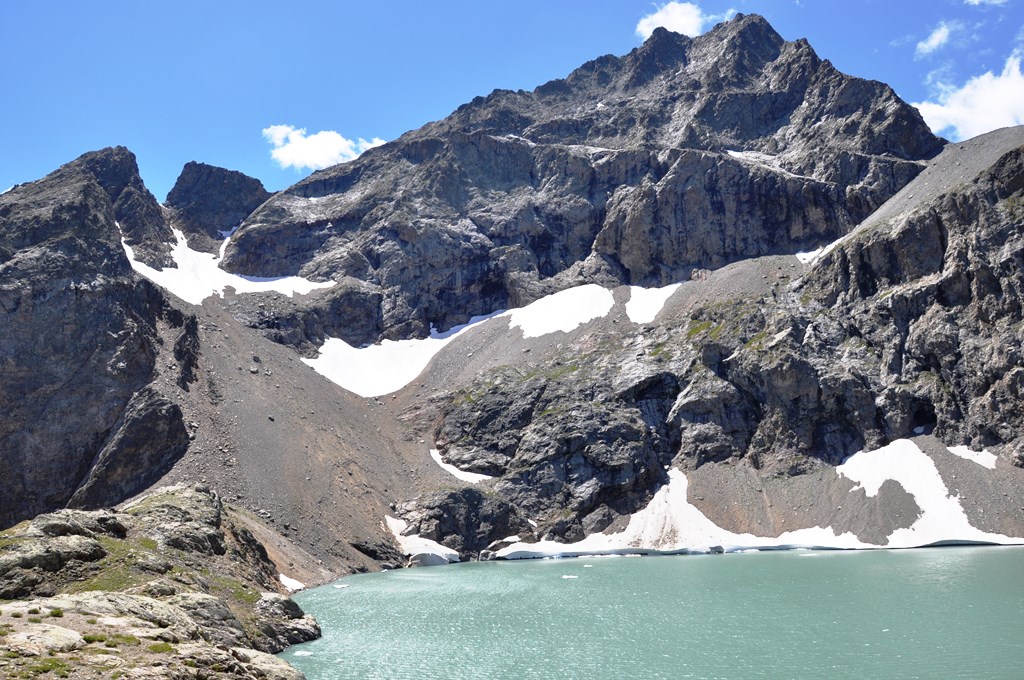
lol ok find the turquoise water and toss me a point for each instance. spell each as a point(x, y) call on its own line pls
point(931, 613)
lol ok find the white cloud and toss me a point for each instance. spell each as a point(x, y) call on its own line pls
point(293, 148)
point(985, 2)
point(984, 103)
point(938, 38)
point(682, 17)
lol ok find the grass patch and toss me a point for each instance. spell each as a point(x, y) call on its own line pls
point(34, 619)
point(161, 647)
point(56, 613)
point(235, 589)
point(33, 610)
point(58, 667)
point(118, 639)
point(94, 637)
point(15, 615)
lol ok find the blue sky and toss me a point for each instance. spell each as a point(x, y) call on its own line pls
point(223, 82)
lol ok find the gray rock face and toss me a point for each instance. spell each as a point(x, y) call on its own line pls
point(189, 570)
point(908, 325)
point(685, 153)
point(140, 217)
point(934, 290)
point(80, 344)
point(207, 201)
point(466, 520)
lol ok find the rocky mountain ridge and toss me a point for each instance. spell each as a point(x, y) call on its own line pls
point(684, 155)
point(704, 162)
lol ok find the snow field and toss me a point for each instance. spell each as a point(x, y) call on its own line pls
point(670, 523)
point(291, 584)
point(645, 303)
point(196, 276)
point(414, 545)
point(471, 477)
point(563, 311)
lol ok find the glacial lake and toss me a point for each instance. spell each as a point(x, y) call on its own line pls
point(952, 612)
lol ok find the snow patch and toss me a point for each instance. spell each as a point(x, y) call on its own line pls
point(197, 276)
point(983, 458)
point(809, 256)
point(471, 477)
point(291, 584)
point(383, 368)
point(563, 311)
point(813, 256)
point(415, 545)
point(670, 524)
point(942, 517)
point(645, 303)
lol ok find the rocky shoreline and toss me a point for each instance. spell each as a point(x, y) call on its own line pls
point(173, 585)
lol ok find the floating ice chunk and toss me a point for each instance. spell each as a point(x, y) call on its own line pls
point(569, 576)
point(471, 477)
point(645, 303)
point(303, 652)
point(341, 585)
point(983, 458)
point(563, 311)
point(291, 584)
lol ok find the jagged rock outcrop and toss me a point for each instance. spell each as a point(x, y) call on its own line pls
point(908, 325)
point(81, 340)
point(933, 290)
point(208, 202)
point(684, 154)
point(141, 219)
point(173, 581)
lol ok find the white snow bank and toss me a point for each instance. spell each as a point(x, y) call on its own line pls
point(942, 517)
point(197, 276)
point(562, 311)
point(385, 367)
point(983, 458)
point(809, 256)
point(645, 303)
point(414, 545)
point(291, 584)
point(815, 255)
point(670, 524)
point(471, 477)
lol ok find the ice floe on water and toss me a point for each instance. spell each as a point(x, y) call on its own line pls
point(670, 523)
point(983, 458)
point(562, 311)
point(471, 477)
point(645, 303)
point(197, 276)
